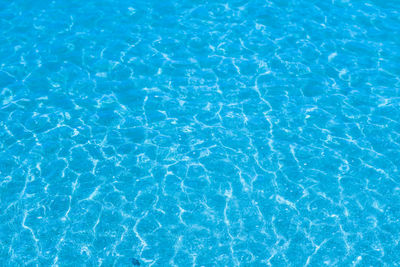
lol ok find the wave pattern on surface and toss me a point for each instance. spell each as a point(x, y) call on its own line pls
point(199, 133)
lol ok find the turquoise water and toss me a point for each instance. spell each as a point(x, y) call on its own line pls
point(200, 133)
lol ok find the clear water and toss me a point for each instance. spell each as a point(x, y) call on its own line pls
point(200, 133)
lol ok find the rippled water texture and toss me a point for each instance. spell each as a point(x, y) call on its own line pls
point(200, 133)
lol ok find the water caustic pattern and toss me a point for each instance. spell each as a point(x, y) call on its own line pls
point(200, 133)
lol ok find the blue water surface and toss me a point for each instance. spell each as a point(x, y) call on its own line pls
point(200, 133)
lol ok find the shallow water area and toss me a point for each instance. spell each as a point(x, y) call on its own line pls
point(199, 133)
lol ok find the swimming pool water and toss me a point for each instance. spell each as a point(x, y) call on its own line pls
point(200, 133)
